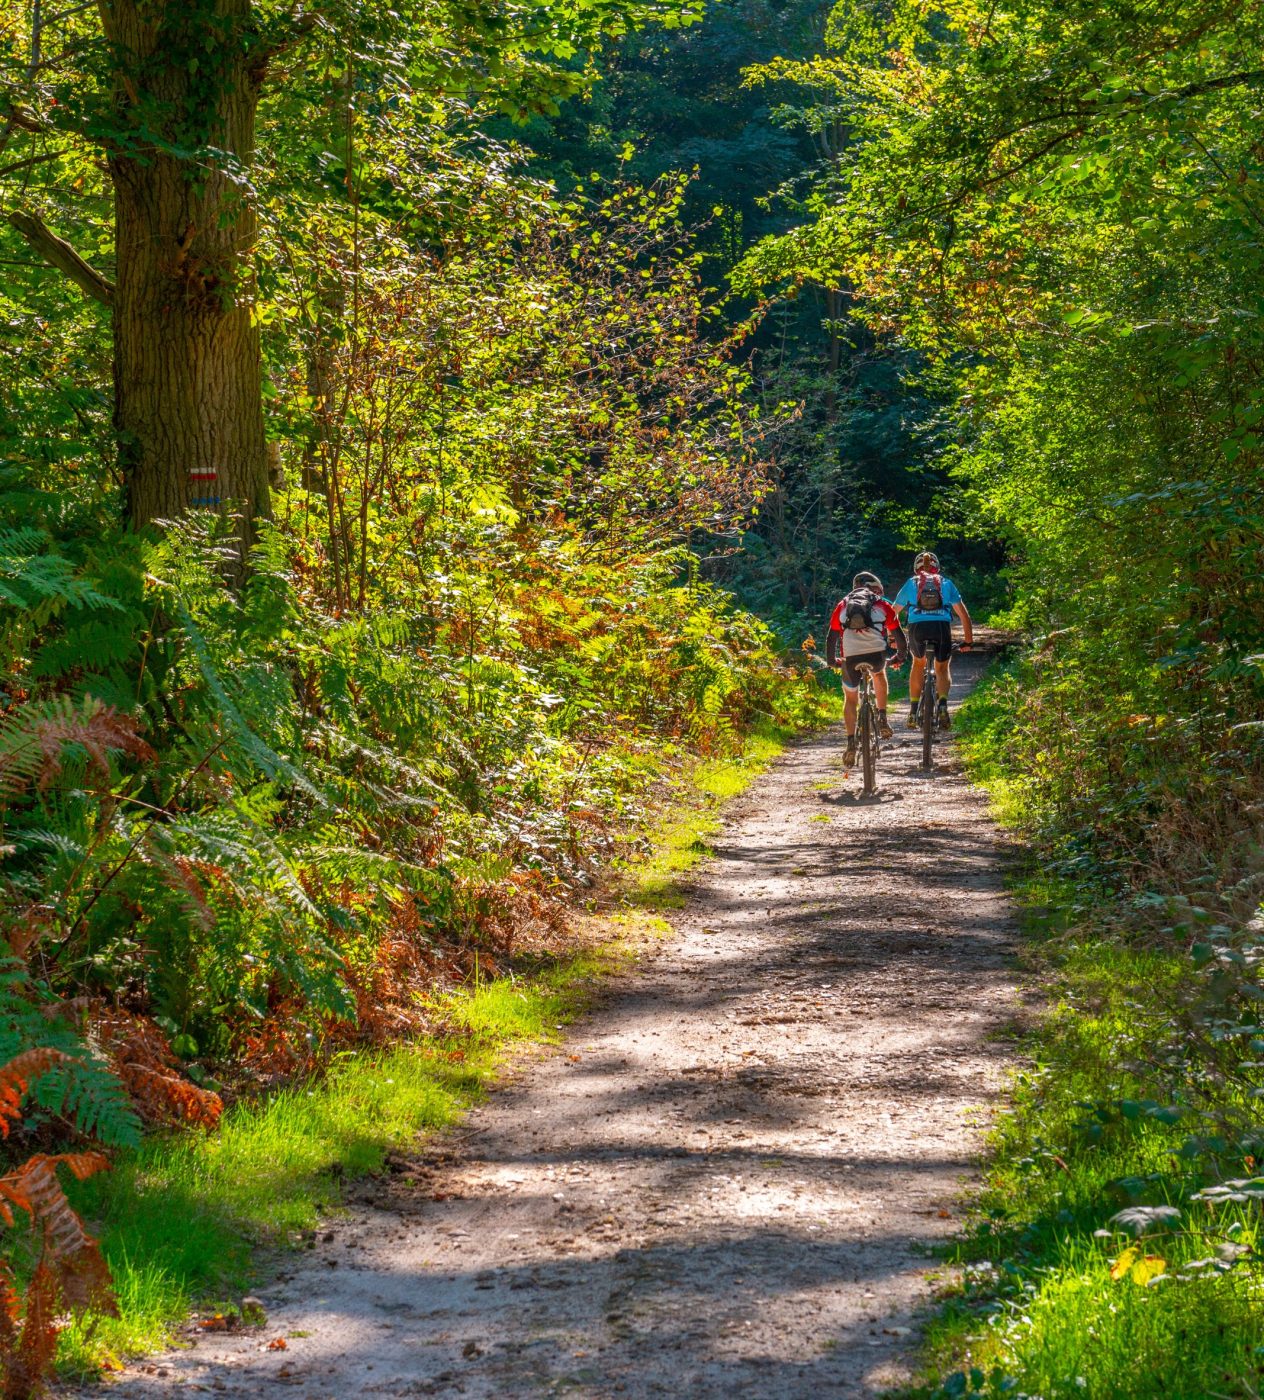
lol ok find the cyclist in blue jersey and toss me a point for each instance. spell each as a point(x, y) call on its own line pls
point(930, 602)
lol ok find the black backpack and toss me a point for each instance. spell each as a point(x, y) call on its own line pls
point(858, 607)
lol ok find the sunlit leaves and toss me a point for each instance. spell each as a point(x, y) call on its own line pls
point(1141, 1269)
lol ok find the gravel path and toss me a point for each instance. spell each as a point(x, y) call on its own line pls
point(725, 1183)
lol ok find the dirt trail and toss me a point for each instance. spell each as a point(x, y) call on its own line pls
point(725, 1183)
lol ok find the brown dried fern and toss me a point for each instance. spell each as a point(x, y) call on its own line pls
point(73, 1256)
point(28, 1336)
point(16, 1077)
point(141, 1057)
point(71, 1272)
point(34, 736)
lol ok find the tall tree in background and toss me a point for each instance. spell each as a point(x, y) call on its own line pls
point(166, 93)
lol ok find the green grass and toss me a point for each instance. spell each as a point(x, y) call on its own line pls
point(181, 1218)
point(1038, 1312)
point(191, 1219)
point(681, 836)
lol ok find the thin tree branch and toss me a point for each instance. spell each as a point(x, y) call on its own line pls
point(1130, 102)
point(302, 27)
point(59, 254)
point(28, 162)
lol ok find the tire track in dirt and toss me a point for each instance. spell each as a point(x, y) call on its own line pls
point(725, 1183)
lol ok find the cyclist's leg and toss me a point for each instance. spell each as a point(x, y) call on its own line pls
point(917, 669)
point(917, 677)
point(851, 699)
point(943, 674)
point(881, 692)
point(943, 680)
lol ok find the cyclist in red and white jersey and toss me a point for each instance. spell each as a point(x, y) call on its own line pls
point(859, 629)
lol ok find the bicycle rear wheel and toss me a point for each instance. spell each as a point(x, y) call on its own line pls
point(869, 746)
point(928, 716)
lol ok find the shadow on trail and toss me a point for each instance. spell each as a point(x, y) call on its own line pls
point(693, 1300)
point(725, 1184)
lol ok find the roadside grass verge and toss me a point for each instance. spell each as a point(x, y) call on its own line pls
point(1059, 1297)
point(184, 1219)
point(679, 837)
point(180, 1217)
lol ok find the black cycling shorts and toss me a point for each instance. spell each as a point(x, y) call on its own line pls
point(851, 676)
point(935, 637)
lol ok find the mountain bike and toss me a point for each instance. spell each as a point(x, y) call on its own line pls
point(867, 729)
point(927, 713)
point(930, 706)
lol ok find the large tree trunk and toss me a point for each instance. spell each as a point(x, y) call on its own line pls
point(187, 376)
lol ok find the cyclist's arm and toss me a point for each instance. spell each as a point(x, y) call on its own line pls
point(895, 633)
point(967, 624)
point(834, 638)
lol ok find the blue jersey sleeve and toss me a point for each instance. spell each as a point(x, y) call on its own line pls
point(904, 598)
point(951, 595)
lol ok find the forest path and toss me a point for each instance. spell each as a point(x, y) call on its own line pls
point(725, 1182)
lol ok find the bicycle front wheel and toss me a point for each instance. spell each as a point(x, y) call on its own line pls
point(869, 748)
point(928, 719)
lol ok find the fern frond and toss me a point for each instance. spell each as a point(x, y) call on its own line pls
point(146, 1064)
point(16, 1077)
point(62, 843)
point(168, 1097)
point(61, 1073)
point(19, 540)
point(181, 875)
point(35, 580)
point(34, 735)
point(97, 644)
point(72, 1255)
point(29, 1357)
point(263, 757)
point(274, 861)
point(344, 745)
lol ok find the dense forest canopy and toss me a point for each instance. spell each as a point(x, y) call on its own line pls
point(1058, 207)
point(857, 472)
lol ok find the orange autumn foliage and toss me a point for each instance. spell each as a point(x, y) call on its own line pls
point(71, 1272)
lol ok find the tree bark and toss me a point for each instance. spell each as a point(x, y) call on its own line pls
point(187, 372)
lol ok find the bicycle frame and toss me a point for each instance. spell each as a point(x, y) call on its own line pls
point(928, 704)
point(867, 730)
point(930, 692)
